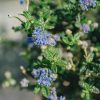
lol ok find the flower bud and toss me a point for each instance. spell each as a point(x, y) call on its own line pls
point(89, 22)
point(68, 31)
point(95, 25)
point(7, 74)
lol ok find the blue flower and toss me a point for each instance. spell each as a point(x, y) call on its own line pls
point(57, 37)
point(53, 94)
point(45, 81)
point(21, 2)
point(85, 28)
point(86, 4)
point(44, 76)
point(36, 73)
point(30, 40)
point(61, 98)
point(51, 97)
point(42, 37)
point(37, 30)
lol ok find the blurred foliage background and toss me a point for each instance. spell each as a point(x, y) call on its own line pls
point(10, 49)
point(10, 45)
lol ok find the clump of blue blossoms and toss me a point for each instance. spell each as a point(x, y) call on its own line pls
point(85, 28)
point(44, 76)
point(61, 98)
point(53, 95)
point(86, 4)
point(42, 37)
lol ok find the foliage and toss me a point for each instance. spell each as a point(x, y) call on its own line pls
point(74, 58)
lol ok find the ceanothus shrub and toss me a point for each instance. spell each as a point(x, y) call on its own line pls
point(63, 56)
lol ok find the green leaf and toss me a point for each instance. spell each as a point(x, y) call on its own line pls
point(71, 40)
point(45, 91)
point(77, 36)
point(77, 24)
point(54, 68)
point(27, 25)
point(78, 21)
point(95, 90)
point(73, 1)
point(90, 57)
point(27, 15)
point(65, 39)
point(51, 53)
point(36, 89)
point(61, 62)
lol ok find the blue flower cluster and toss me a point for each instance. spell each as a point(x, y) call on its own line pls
point(53, 95)
point(61, 98)
point(42, 37)
point(85, 28)
point(86, 4)
point(44, 76)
